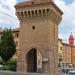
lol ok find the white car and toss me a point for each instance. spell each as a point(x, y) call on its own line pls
point(72, 71)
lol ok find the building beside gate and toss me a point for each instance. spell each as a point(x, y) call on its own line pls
point(66, 53)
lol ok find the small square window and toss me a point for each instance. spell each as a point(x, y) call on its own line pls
point(16, 35)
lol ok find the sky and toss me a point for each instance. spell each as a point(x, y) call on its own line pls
point(66, 26)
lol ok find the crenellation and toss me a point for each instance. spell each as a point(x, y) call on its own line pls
point(33, 13)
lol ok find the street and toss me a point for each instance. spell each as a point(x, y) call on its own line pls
point(20, 73)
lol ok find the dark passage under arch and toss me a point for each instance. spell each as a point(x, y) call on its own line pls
point(32, 60)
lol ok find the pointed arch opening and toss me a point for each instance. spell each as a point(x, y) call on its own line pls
point(34, 60)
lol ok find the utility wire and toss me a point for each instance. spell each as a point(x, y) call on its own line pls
point(9, 15)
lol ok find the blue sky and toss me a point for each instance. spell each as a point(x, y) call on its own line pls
point(68, 1)
point(66, 26)
point(20, 0)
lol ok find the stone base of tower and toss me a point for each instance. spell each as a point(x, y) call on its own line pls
point(50, 71)
point(21, 67)
point(49, 61)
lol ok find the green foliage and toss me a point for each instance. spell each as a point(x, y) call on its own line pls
point(7, 45)
point(10, 66)
point(6, 67)
point(12, 61)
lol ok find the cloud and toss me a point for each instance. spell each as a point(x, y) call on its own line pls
point(68, 19)
point(7, 6)
point(66, 26)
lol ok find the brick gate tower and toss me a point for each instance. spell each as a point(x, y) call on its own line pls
point(39, 21)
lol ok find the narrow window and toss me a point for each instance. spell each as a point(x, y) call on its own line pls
point(22, 14)
point(25, 13)
point(29, 13)
point(43, 11)
point(39, 12)
point(36, 12)
point(32, 13)
point(47, 11)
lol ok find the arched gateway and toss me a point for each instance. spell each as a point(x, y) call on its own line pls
point(34, 60)
point(39, 21)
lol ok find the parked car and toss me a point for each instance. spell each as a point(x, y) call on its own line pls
point(72, 71)
point(66, 70)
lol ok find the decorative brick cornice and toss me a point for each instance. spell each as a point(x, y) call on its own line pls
point(40, 12)
point(33, 13)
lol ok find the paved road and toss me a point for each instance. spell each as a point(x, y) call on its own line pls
point(20, 73)
point(14, 73)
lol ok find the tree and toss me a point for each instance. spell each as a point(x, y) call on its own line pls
point(7, 45)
